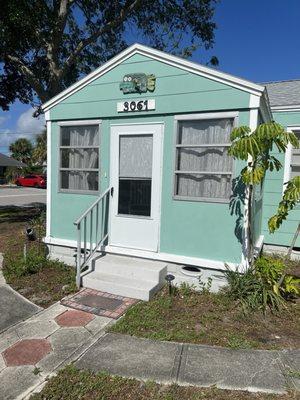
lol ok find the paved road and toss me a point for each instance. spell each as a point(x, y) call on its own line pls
point(22, 196)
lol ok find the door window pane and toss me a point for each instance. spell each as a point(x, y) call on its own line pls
point(135, 175)
point(135, 156)
point(135, 197)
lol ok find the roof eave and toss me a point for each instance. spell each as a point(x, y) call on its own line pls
point(136, 48)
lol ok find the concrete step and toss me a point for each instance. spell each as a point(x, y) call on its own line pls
point(126, 276)
point(136, 268)
point(122, 286)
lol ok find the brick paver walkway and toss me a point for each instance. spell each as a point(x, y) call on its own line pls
point(32, 350)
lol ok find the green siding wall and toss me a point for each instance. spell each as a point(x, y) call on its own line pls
point(198, 229)
point(273, 193)
point(177, 91)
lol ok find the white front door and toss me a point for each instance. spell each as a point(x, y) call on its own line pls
point(135, 173)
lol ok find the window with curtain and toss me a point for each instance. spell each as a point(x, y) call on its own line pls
point(295, 160)
point(79, 158)
point(203, 168)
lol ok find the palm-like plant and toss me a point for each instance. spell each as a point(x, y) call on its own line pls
point(21, 150)
point(290, 198)
point(256, 149)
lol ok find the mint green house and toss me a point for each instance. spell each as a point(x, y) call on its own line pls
point(139, 179)
point(284, 98)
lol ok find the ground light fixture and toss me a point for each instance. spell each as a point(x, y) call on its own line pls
point(169, 279)
point(31, 237)
point(30, 234)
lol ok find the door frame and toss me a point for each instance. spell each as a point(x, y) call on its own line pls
point(160, 177)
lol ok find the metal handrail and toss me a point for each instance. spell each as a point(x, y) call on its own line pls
point(94, 242)
point(92, 206)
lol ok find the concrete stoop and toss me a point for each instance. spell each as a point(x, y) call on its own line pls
point(126, 276)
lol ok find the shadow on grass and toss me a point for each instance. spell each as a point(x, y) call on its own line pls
point(21, 214)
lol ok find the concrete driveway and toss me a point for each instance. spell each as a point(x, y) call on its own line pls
point(22, 196)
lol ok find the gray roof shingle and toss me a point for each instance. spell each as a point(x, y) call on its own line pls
point(6, 161)
point(284, 93)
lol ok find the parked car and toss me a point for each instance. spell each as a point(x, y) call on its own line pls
point(33, 180)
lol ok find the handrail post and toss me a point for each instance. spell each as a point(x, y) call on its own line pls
point(78, 257)
point(81, 222)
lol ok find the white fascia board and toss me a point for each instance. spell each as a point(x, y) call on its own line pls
point(169, 59)
point(285, 108)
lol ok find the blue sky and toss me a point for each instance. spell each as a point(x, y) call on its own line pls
point(257, 40)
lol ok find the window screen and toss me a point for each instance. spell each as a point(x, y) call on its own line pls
point(135, 175)
point(203, 167)
point(79, 158)
point(295, 161)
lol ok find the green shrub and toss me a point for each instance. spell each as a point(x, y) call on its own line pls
point(265, 285)
point(16, 265)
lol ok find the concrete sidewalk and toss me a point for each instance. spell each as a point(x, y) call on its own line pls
point(13, 307)
point(32, 350)
point(197, 365)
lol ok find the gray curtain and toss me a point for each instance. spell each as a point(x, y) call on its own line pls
point(295, 161)
point(210, 159)
point(76, 158)
point(135, 156)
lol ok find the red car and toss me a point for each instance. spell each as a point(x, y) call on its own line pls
point(38, 181)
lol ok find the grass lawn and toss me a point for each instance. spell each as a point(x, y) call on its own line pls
point(45, 283)
point(211, 319)
point(71, 384)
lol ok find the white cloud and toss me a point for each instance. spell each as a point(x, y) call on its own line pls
point(3, 119)
point(7, 137)
point(28, 124)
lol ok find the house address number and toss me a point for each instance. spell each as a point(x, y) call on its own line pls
point(136, 105)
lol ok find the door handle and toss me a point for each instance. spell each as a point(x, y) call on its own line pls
point(112, 192)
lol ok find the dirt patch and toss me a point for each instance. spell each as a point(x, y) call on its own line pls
point(211, 319)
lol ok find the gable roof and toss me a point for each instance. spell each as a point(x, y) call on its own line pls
point(166, 58)
point(6, 161)
point(284, 94)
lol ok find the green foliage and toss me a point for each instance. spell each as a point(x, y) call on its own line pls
point(255, 148)
point(237, 341)
point(39, 154)
point(16, 265)
point(21, 150)
point(45, 47)
point(265, 285)
point(290, 199)
point(186, 289)
point(258, 146)
point(205, 287)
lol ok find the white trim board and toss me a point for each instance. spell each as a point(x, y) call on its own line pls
point(49, 171)
point(167, 257)
point(166, 58)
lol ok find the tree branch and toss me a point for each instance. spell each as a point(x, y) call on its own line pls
point(29, 76)
point(126, 10)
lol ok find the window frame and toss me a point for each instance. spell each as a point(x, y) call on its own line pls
point(60, 169)
point(191, 117)
point(288, 158)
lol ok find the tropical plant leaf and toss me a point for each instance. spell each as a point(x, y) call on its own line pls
point(239, 132)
